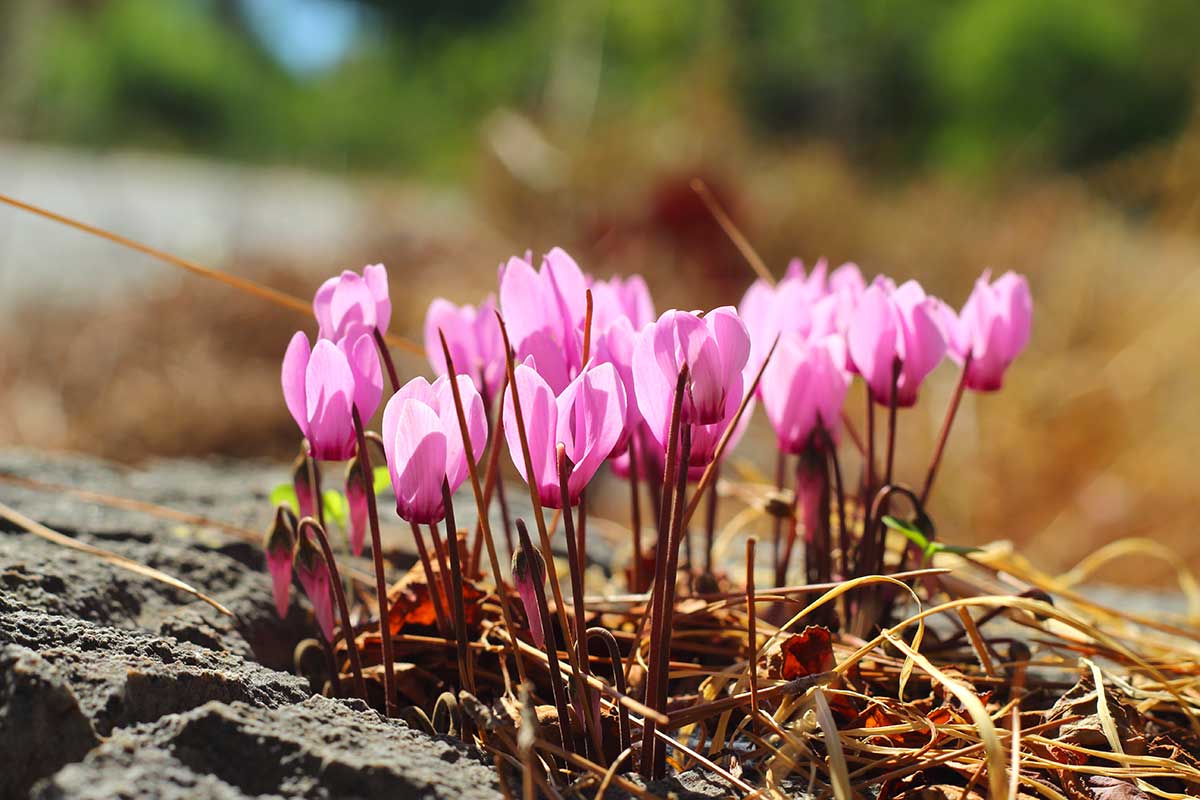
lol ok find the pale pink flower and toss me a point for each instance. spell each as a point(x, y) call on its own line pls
point(351, 299)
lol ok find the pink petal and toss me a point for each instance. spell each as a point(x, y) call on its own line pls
point(872, 340)
point(322, 301)
point(356, 498)
point(540, 415)
point(924, 348)
point(455, 323)
point(654, 374)
point(315, 581)
point(376, 278)
point(329, 387)
point(352, 302)
point(295, 363)
point(368, 374)
point(525, 303)
point(591, 420)
point(279, 564)
point(419, 467)
point(477, 427)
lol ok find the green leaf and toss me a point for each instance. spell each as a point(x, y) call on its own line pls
point(285, 495)
point(382, 479)
point(910, 531)
point(335, 506)
point(928, 548)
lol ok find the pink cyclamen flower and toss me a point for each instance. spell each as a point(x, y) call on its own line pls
point(544, 311)
point(424, 446)
point(321, 385)
point(313, 573)
point(356, 499)
point(769, 311)
point(473, 336)
point(804, 387)
point(993, 329)
point(352, 299)
point(621, 298)
point(588, 418)
point(901, 325)
point(304, 490)
point(280, 546)
point(715, 349)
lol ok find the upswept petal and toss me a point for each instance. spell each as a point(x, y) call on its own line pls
point(363, 358)
point(419, 462)
point(872, 340)
point(375, 276)
point(456, 460)
point(540, 415)
point(352, 302)
point(295, 365)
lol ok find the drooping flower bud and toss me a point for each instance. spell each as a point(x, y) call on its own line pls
point(279, 545)
point(528, 569)
point(313, 572)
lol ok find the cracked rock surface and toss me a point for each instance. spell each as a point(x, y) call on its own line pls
point(113, 685)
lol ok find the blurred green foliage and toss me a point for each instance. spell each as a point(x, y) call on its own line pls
point(974, 84)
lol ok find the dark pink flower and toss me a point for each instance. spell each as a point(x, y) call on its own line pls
point(588, 418)
point(715, 348)
point(351, 299)
point(320, 386)
point(313, 573)
point(804, 387)
point(473, 336)
point(529, 569)
point(889, 325)
point(993, 328)
point(280, 546)
point(424, 446)
point(706, 438)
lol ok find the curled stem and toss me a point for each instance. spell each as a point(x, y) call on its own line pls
point(385, 626)
point(339, 597)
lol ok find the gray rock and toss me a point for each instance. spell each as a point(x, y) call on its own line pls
point(320, 748)
point(41, 724)
point(121, 677)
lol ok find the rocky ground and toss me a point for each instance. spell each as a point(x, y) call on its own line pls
point(115, 686)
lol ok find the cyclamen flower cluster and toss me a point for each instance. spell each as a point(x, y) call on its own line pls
point(594, 376)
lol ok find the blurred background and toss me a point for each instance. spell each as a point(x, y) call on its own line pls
point(285, 140)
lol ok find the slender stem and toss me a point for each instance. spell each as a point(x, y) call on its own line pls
point(431, 582)
point(661, 578)
point(339, 597)
point(314, 483)
point(677, 531)
point(836, 467)
point(710, 526)
point(439, 548)
point(635, 515)
point(777, 522)
point(538, 515)
point(614, 657)
point(385, 627)
point(707, 479)
point(869, 469)
point(556, 680)
point(386, 357)
point(581, 535)
point(891, 446)
point(751, 624)
point(481, 508)
point(583, 704)
point(951, 413)
point(466, 675)
point(335, 681)
point(493, 475)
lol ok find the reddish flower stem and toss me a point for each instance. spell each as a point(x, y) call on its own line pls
point(635, 516)
point(386, 357)
point(951, 413)
point(557, 686)
point(339, 597)
point(836, 468)
point(658, 589)
point(583, 696)
point(493, 477)
point(481, 508)
point(439, 548)
point(385, 627)
point(431, 581)
point(314, 483)
point(751, 625)
point(710, 524)
point(614, 657)
point(660, 672)
point(777, 522)
point(466, 675)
